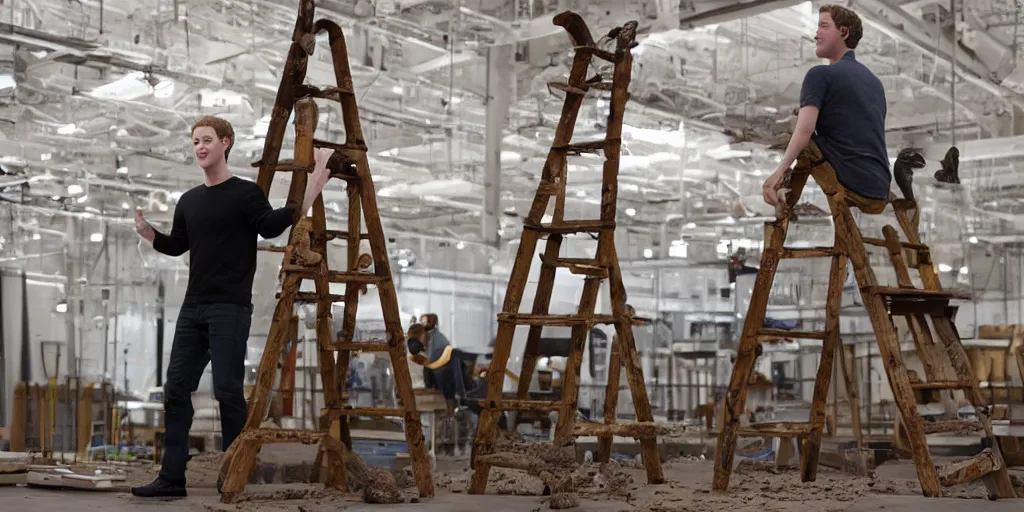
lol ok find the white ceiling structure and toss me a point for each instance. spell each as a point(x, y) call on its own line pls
point(97, 98)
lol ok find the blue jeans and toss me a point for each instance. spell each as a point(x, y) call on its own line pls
point(204, 333)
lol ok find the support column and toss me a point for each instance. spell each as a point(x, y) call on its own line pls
point(498, 100)
point(71, 305)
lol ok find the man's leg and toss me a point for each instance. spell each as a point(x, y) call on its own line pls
point(189, 356)
point(229, 332)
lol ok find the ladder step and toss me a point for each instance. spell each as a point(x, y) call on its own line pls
point(634, 429)
point(567, 227)
point(333, 234)
point(579, 148)
point(967, 470)
point(580, 266)
point(363, 411)
point(941, 385)
point(309, 297)
point(361, 346)
point(317, 143)
point(952, 426)
point(522, 405)
point(270, 248)
point(879, 242)
point(278, 435)
point(285, 165)
point(599, 84)
point(310, 91)
point(776, 429)
point(766, 333)
point(562, 85)
point(807, 252)
point(904, 294)
point(554, 320)
point(356, 277)
point(598, 53)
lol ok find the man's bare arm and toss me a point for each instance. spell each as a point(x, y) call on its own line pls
point(806, 120)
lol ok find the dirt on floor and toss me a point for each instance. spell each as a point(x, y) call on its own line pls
point(754, 486)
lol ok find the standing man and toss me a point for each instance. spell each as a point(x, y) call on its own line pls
point(843, 107)
point(217, 223)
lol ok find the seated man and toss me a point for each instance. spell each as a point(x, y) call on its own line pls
point(843, 106)
point(442, 364)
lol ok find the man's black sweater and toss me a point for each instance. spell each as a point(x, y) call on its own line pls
point(218, 226)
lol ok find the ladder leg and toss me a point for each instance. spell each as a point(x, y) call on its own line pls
point(570, 379)
point(541, 305)
point(812, 446)
point(634, 372)
point(998, 482)
point(849, 370)
point(736, 397)
point(483, 444)
point(888, 345)
point(611, 400)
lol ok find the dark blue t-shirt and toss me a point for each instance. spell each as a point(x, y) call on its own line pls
point(851, 124)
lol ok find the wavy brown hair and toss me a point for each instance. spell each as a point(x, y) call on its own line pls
point(845, 18)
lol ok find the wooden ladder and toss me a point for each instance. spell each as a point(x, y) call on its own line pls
point(605, 265)
point(306, 258)
point(881, 302)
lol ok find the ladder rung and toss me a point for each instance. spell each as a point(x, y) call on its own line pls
point(338, 146)
point(951, 426)
point(581, 266)
point(897, 293)
point(286, 165)
point(364, 411)
point(599, 53)
point(807, 252)
point(361, 346)
point(308, 297)
point(879, 242)
point(577, 148)
point(356, 277)
point(278, 435)
point(522, 405)
point(554, 320)
point(598, 84)
point(634, 429)
point(573, 226)
point(569, 89)
point(270, 248)
point(940, 385)
point(333, 234)
point(331, 93)
point(776, 429)
point(967, 470)
point(766, 333)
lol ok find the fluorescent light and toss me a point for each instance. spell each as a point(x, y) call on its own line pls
point(96, 237)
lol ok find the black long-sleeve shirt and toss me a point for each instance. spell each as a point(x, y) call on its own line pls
point(218, 226)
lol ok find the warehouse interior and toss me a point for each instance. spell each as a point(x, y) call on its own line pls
point(458, 114)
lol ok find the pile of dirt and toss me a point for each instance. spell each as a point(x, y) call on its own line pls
point(380, 488)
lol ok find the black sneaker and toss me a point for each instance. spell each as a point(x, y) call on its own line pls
point(160, 488)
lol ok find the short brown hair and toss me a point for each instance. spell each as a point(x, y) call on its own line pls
point(221, 127)
point(845, 18)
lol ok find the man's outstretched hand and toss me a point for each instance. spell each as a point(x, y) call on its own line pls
point(770, 190)
point(143, 228)
point(318, 179)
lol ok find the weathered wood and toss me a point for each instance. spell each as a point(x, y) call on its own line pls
point(632, 429)
point(603, 266)
point(306, 257)
point(969, 470)
point(849, 371)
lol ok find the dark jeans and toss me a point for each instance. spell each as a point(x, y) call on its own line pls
point(204, 333)
point(450, 379)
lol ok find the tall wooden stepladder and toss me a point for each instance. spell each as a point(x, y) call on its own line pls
point(605, 265)
point(881, 302)
point(305, 258)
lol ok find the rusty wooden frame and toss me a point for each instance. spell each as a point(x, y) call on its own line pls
point(605, 265)
point(881, 303)
point(306, 258)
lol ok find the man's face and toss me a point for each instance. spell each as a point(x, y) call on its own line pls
point(427, 324)
point(829, 38)
point(209, 148)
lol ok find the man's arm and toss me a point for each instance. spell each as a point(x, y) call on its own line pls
point(268, 222)
point(174, 244)
point(812, 93)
